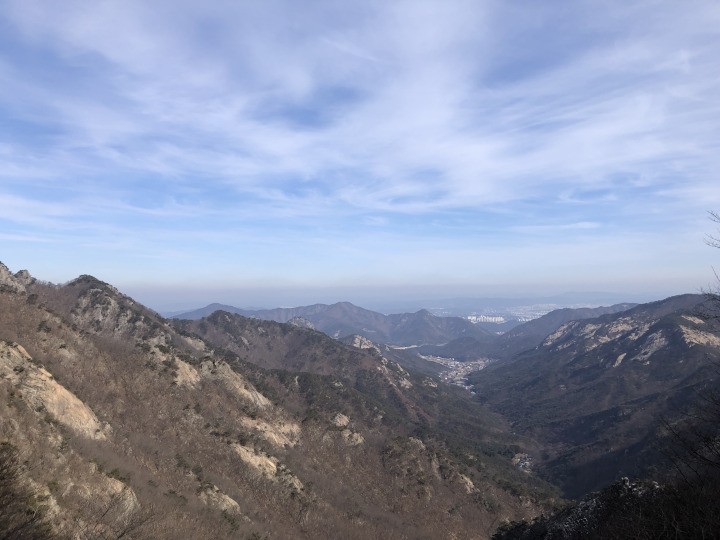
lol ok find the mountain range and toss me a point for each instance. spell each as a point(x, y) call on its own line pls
point(117, 422)
point(596, 392)
point(561, 381)
point(519, 338)
point(343, 318)
point(422, 332)
point(133, 426)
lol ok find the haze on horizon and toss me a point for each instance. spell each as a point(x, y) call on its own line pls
point(281, 152)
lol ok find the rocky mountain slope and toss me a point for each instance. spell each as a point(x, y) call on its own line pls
point(519, 338)
point(641, 510)
point(532, 333)
point(595, 391)
point(682, 502)
point(236, 428)
point(343, 319)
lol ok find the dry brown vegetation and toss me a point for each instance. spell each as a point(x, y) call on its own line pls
point(234, 433)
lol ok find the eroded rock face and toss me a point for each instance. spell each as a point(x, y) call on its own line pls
point(213, 496)
point(352, 438)
point(268, 467)
point(24, 277)
point(340, 420)
point(361, 342)
point(10, 282)
point(187, 375)
point(301, 322)
point(236, 383)
point(279, 433)
point(593, 517)
point(45, 395)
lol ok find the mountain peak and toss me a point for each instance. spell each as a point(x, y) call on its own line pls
point(8, 281)
point(24, 277)
point(87, 279)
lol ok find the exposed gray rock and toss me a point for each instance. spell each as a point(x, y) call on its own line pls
point(9, 281)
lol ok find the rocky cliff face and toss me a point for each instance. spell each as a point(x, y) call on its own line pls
point(130, 425)
point(638, 509)
point(9, 282)
point(45, 423)
point(40, 391)
point(596, 390)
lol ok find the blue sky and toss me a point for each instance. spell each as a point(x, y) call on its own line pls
point(279, 152)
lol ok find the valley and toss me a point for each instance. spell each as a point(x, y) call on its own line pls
point(232, 427)
point(250, 427)
point(359, 270)
point(456, 372)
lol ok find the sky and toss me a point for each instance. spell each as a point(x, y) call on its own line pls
point(282, 152)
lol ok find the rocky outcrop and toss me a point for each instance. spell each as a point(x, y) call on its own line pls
point(219, 429)
point(9, 282)
point(237, 384)
point(268, 467)
point(593, 517)
point(361, 342)
point(340, 420)
point(44, 394)
point(301, 322)
point(594, 390)
point(24, 277)
point(213, 496)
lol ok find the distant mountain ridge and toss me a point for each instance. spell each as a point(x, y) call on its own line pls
point(519, 338)
point(531, 333)
point(595, 390)
point(343, 319)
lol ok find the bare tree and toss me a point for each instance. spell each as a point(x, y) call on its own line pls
point(711, 239)
point(117, 519)
point(21, 517)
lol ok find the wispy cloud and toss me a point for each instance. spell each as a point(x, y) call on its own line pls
point(268, 117)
